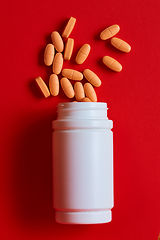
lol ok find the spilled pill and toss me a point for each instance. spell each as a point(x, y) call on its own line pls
point(112, 63)
point(109, 32)
point(90, 92)
point(57, 63)
point(43, 87)
point(57, 41)
point(54, 84)
point(49, 54)
point(68, 49)
point(120, 44)
point(67, 87)
point(72, 74)
point(69, 27)
point(92, 77)
point(79, 91)
point(83, 53)
point(86, 100)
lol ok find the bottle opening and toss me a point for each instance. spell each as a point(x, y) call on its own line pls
point(82, 105)
point(82, 110)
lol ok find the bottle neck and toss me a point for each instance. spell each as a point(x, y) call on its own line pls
point(82, 110)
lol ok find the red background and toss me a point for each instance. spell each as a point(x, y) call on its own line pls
point(133, 98)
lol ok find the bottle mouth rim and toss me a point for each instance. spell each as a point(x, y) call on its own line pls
point(82, 115)
point(82, 105)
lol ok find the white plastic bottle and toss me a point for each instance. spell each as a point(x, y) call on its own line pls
point(82, 163)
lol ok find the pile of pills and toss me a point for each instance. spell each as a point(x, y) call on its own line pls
point(53, 56)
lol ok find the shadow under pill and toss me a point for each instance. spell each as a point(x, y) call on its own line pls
point(41, 57)
point(61, 26)
point(33, 87)
point(97, 36)
point(102, 65)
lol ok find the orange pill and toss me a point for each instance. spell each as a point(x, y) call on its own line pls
point(92, 77)
point(112, 63)
point(67, 87)
point(68, 49)
point(86, 100)
point(72, 74)
point(83, 53)
point(120, 44)
point(69, 27)
point(54, 84)
point(57, 41)
point(57, 63)
point(79, 91)
point(109, 32)
point(49, 54)
point(90, 92)
point(43, 87)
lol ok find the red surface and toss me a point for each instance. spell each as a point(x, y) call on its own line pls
point(133, 98)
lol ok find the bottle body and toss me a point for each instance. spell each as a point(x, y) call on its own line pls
point(83, 164)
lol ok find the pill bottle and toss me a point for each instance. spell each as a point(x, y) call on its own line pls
point(82, 163)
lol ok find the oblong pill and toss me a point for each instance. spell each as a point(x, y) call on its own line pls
point(49, 54)
point(67, 87)
point(120, 44)
point(90, 92)
point(57, 63)
point(69, 27)
point(109, 32)
point(79, 91)
point(86, 100)
point(57, 41)
point(83, 53)
point(54, 84)
point(72, 74)
point(43, 87)
point(112, 63)
point(68, 49)
point(92, 77)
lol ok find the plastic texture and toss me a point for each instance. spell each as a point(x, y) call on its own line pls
point(82, 163)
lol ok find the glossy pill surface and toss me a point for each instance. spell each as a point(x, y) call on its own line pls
point(90, 92)
point(49, 54)
point(57, 41)
point(43, 87)
point(69, 27)
point(120, 44)
point(86, 100)
point(83, 53)
point(112, 63)
point(54, 84)
point(79, 91)
point(109, 32)
point(57, 63)
point(92, 77)
point(68, 49)
point(67, 87)
point(72, 74)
